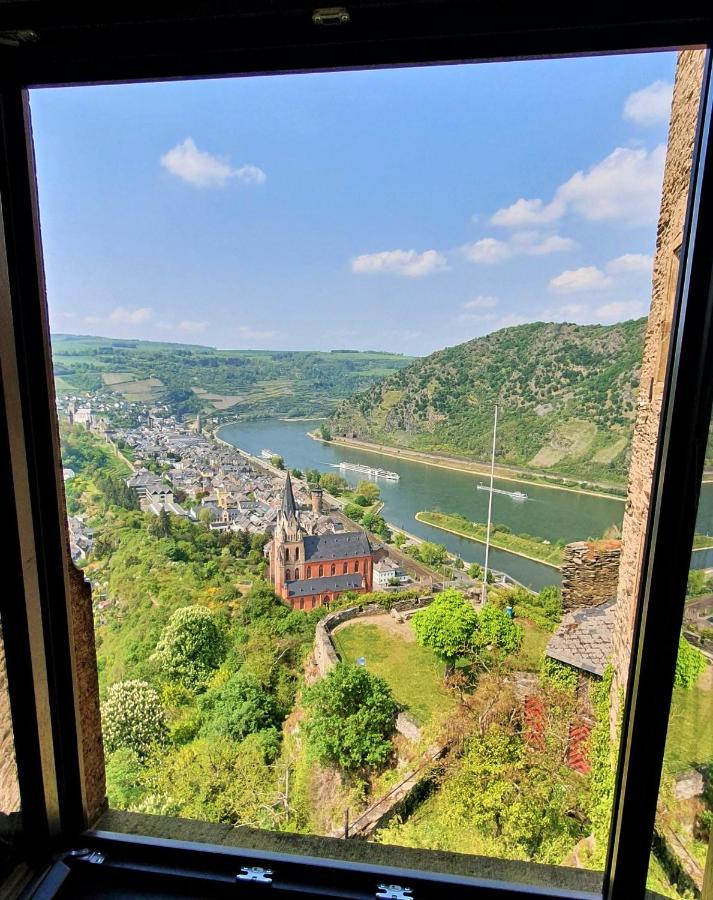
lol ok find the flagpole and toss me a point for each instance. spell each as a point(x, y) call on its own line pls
point(490, 511)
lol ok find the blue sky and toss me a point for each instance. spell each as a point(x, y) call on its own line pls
point(402, 210)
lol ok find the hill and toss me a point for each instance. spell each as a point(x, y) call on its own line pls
point(567, 398)
point(240, 383)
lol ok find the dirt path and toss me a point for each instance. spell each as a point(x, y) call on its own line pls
point(382, 620)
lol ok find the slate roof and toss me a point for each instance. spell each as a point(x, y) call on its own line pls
point(334, 584)
point(347, 545)
point(584, 638)
point(288, 499)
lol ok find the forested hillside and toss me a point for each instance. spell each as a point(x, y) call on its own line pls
point(237, 383)
point(567, 396)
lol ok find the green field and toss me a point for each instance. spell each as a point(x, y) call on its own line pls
point(690, 730)
point(414, 673)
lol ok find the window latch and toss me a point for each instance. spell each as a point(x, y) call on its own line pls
point(393, 892)
point(87, 855)
point(255, 873)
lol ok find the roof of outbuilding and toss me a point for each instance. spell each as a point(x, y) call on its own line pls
point(584, 638)
point(346, 545)
point(332, 584)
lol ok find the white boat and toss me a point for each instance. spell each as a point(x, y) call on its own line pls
point(267, 454)
point(367, 470)
point(515, 495)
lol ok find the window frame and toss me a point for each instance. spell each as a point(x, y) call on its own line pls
point(176, 41)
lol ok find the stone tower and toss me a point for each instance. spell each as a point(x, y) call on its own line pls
point(316, 498)
point(287, 554)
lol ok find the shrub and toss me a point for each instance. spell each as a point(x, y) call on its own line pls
point(690, 662)
point(238, 708)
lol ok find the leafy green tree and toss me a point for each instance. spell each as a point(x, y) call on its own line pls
point(351, 717)
point(238, 708)
point(133, 718)
point(458, 563)
point(475, 570)
point(432, 554)
point(313, 476)
point(399, 540)
point(698, 583)
point(161, 525)
point(369, 490)
point(448, 627)
point(333, 484)
point(297, 473)
point(324, 432)
point(124, 772)
point(191, 646)
point(277, 461)
point(496, 631)
point(217, 780)
point(205, 517)
point(354, 512)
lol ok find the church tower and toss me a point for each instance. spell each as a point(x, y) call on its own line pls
point(287, 555)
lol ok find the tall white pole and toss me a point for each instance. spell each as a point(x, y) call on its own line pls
point(490, 510)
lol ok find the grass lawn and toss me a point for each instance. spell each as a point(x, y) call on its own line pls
point(414, 673)
point(529, 657)
point(690, 730)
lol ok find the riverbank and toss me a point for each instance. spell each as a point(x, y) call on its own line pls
point(519, 545)
point(457, 465)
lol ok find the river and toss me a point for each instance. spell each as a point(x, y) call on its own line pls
point(548, 513)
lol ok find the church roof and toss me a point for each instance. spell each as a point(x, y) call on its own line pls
point(346, 545)
point(289, 507)
point(334, 583)
point(584, 638)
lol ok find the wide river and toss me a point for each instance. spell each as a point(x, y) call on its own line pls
point(548, 513)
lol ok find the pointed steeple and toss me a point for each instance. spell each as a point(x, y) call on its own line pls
point(288, 500)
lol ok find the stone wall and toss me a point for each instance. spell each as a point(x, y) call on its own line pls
point(681, 135)
point(590, 572)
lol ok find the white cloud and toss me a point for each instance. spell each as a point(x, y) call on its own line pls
point(191, 327)
point(202, 169)
point(122, 315)
point(631, 263)
point(481, 302)
point(492, 250)
point(587, 278)
point(619, 310)
point(650, 105)
point(399, 262)
point(624, 186)
point(254, 334)
point(487, 250)
point(526, 212)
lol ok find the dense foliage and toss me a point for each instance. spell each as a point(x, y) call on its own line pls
point(567, 395)
point(133, 718)
point(351, 717)
point(191, 646)
point(690, 663)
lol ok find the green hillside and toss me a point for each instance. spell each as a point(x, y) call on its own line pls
point(236, 383)
point(567, 397)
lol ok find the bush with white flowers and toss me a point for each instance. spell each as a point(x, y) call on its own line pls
point(191, 646)
point(133, 717)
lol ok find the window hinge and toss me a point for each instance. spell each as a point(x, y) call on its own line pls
point(88, 855)
point(393, 892)
point(255, 873)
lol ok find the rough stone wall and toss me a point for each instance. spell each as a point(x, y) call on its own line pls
point(590, 572)
point(681, 136)
point(9, 789)
point(85, 659)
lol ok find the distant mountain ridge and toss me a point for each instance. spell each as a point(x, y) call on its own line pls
point(567, 396)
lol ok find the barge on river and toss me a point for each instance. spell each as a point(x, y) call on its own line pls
point(515, 495)
point(367, 470)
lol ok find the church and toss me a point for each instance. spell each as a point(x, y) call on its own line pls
point(310, 570)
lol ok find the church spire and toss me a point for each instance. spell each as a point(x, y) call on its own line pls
point(288, 500)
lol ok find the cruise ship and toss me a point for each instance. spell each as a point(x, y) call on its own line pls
point(367, 470)
point(267, 454)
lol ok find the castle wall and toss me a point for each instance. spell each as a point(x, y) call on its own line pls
point(681, 136)
point(590, 572)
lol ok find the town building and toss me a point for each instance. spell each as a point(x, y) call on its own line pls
point(309, 569)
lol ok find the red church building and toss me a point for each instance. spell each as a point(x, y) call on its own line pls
point(310, 570)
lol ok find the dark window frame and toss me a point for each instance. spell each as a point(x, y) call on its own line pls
point(179, 40)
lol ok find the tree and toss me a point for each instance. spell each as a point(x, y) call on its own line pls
point(161, 526)
point(205, 516)
point(399, 540)
point(351, 716)
point(496, 631)
point(475, 570)
point(447, 626)
point(313, 476)
point(277, 461)
point(333, 484)
point(133, 718)
point(297, 473)
point(369, 490)
point(238, 708)
point(458, 563)
point(191, 646)
point(324, 432)
point(432, 554)
point(354, 512)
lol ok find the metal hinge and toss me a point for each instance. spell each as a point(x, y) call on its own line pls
point(393, 892)
point(255, 873)
point(91, 856)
